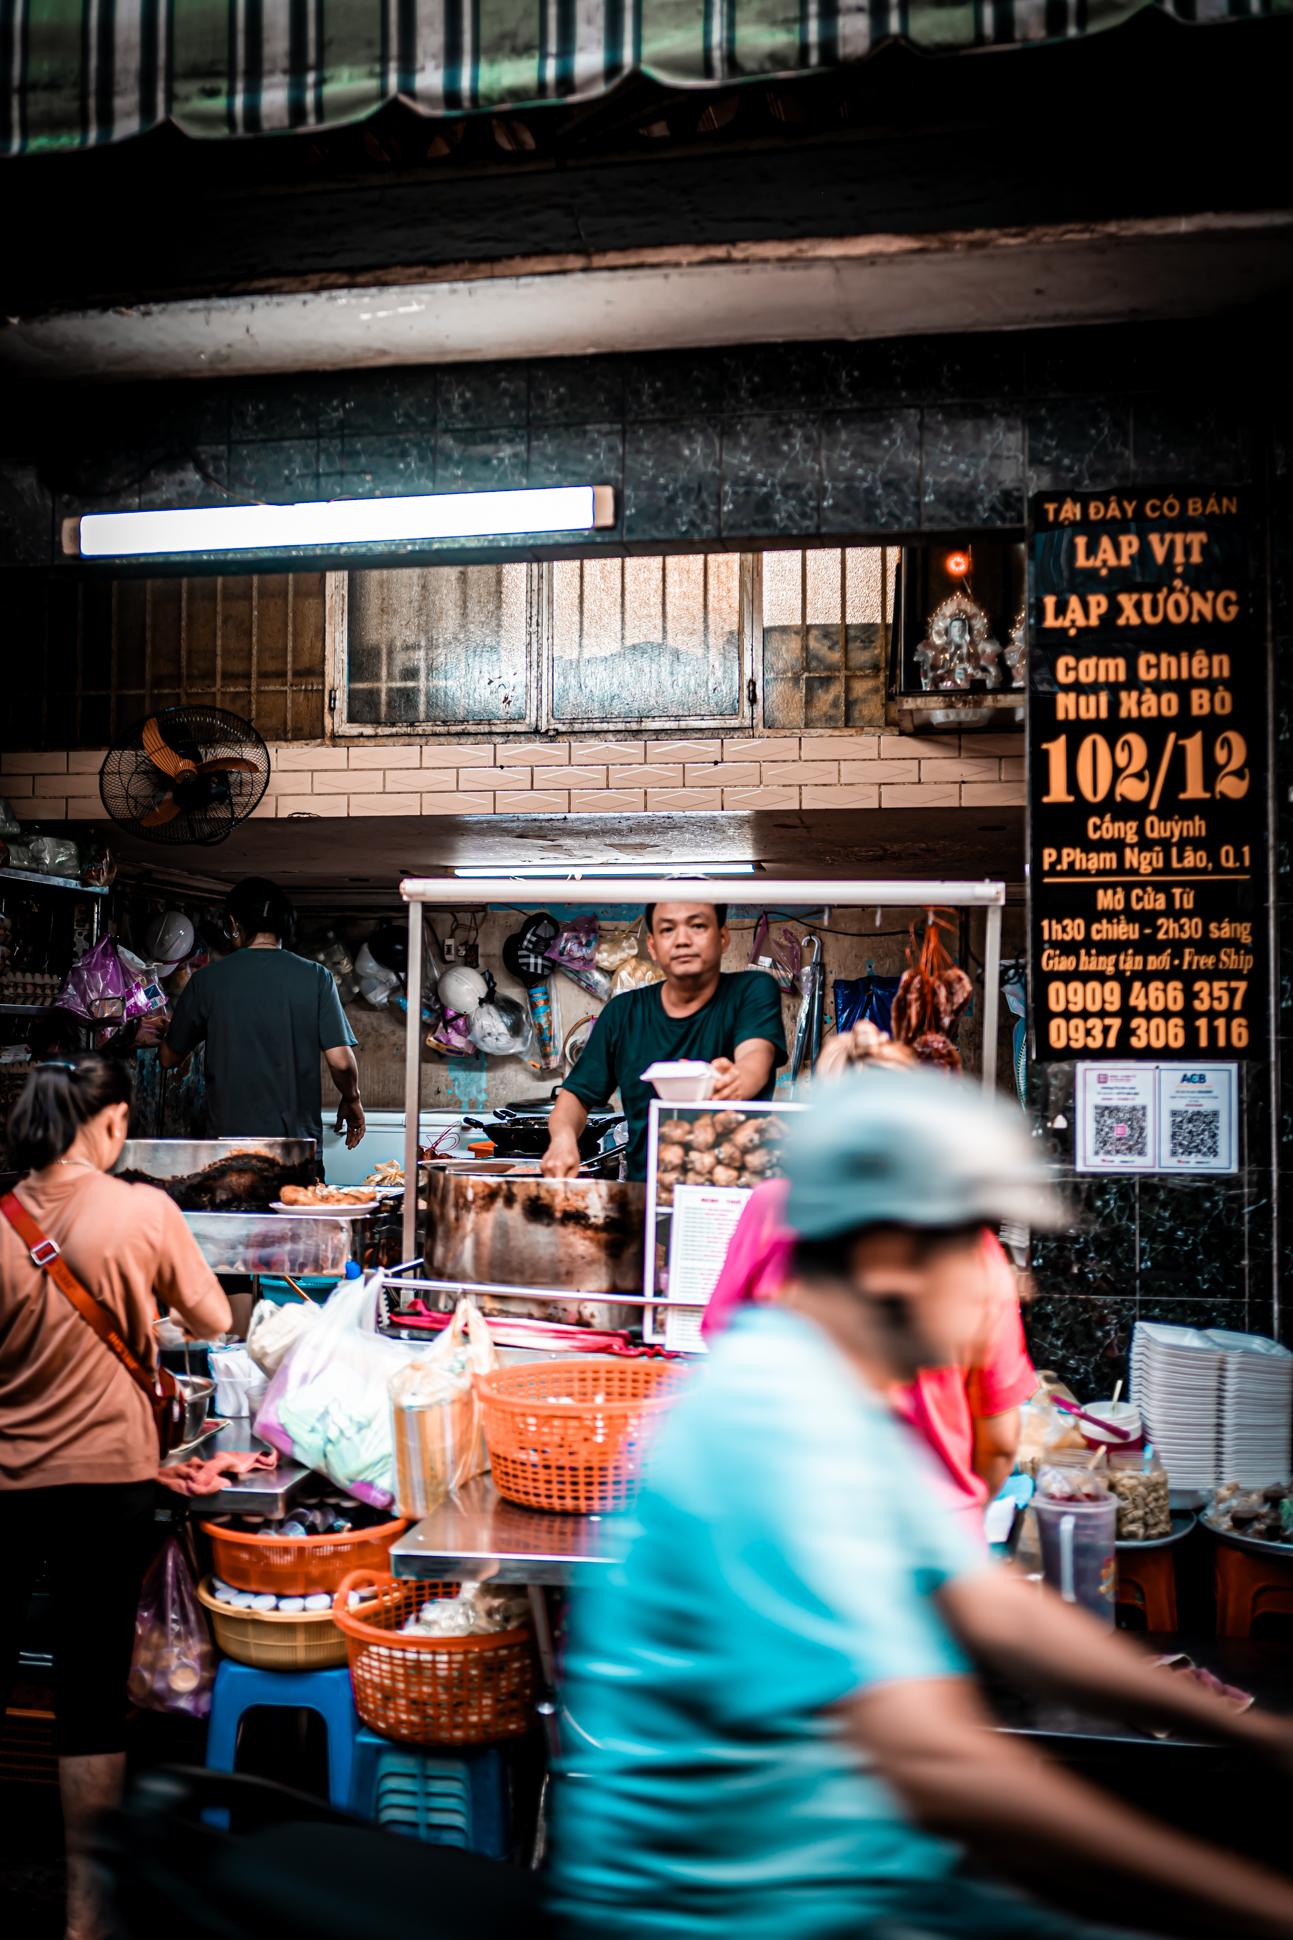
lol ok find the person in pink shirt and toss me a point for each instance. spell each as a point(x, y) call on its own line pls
point(968, 1417)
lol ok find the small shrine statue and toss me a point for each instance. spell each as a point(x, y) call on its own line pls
point(958, 648)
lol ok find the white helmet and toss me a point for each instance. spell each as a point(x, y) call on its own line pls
point(169, 940)
point(461, 989)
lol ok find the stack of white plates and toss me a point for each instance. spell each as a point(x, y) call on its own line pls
point(1256, 1414)
point(1176, 1382)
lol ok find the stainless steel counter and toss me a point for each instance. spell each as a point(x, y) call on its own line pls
point(477, 1536)
point(267, 1492)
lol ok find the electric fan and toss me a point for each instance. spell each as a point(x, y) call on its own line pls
point(186, 774)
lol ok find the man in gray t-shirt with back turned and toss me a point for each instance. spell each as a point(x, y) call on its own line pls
point(264, 1015)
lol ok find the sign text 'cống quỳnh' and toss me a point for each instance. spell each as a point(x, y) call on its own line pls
point(1147, 702)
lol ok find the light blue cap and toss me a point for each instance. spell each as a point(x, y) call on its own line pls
point(912, 1148)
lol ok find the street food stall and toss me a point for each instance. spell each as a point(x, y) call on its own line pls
point(465, 1249)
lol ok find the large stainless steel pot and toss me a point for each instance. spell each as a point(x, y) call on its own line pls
point(582, 1235)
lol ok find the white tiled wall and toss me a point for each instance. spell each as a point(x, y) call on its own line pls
point(546, 777)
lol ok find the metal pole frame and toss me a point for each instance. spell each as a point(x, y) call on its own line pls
point(451, 891)
point(412, 1080)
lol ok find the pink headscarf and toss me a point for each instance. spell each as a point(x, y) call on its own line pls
point(758, 1256)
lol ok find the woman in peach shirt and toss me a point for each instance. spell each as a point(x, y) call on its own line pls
point(78, 1449)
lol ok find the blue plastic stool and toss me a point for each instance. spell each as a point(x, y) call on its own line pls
point(239, 1687)
point(456, 1798)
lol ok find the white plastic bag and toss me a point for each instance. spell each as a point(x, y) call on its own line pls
point(240, 1383)
point(376, 982)
point(327, 1407)
point(275, 1330)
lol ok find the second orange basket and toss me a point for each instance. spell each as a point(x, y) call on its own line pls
point(573, 1435)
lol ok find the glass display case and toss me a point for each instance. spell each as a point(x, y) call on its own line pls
point(703, 1162)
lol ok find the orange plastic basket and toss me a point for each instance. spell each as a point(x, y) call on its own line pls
point(297, 1565)
point(432, 1690)
point(573, 1435)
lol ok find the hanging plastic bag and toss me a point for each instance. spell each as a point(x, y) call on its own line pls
point(275, 1330)
point(612, 951)
point(501, 1028)
point(574, 951)
point(331, 952)
point(436, 1415)
point(779, 960)
point(173, 1664)
point(327, 1407)
point(634, 968)
point(376, 982)
point(96, 984)
point(866, 999)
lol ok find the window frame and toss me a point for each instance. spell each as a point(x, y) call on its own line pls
point(539, 717)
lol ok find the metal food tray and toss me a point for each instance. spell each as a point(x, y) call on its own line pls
point(1182, 1523)
point(270, 1242)
point(177, 1158)
point(1257, 1544)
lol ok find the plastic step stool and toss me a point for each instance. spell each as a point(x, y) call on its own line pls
point(426, 1799)
point(240, 1687)
point(395, 1784)
point(1147, 1581)
point(1249, 1586)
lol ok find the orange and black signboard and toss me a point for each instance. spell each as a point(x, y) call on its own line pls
point(1147, 709)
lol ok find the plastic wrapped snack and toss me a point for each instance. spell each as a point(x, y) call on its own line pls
point(478, 1610)
point(435, 1414)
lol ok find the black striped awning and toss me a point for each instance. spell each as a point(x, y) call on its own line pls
point(75, 73)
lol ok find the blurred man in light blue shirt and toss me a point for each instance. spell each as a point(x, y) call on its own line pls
point(769, 1733)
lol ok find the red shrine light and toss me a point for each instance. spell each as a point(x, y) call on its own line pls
point(957, 564)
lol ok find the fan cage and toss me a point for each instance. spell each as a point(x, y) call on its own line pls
point(131, 785)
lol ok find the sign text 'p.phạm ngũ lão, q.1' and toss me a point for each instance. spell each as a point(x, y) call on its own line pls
point(1147, 713)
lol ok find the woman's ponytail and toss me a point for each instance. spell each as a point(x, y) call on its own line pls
point(57, 1099)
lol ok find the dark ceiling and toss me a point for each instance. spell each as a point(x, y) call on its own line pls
point(359, 861)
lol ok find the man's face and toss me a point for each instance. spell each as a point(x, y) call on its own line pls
point(685, 939)
point(924, 1296)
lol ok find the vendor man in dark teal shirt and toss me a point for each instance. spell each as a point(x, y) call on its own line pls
point(699, 1011)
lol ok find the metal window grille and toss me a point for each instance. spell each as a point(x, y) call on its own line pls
point(739, 642)
point(116, 650)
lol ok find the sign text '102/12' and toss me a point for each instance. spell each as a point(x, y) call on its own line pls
point(1147, 704)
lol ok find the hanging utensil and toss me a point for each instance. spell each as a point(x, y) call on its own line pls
point(810, 983)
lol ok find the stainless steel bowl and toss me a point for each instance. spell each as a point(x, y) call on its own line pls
point(197, 1392)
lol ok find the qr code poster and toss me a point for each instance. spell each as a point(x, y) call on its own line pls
point(1117, 1117)
point(1198, 1124)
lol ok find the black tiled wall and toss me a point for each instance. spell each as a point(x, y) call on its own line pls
point(780, 442)
point(792, 441)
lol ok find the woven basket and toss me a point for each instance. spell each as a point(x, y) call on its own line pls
point(297, 1565)
point(306, 1641)
point(432, 1690)
point(573, 1435)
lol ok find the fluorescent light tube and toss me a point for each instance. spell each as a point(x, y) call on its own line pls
point(590, 871)
point(340, 522)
